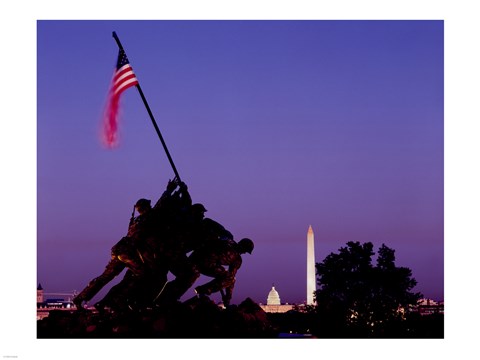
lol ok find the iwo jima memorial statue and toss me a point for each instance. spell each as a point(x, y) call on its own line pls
point(172, 236)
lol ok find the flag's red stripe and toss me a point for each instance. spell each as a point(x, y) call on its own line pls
point(125, 78)
point(129, 74)
point(125, 85)
point(123, 70)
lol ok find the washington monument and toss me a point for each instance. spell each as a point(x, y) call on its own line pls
point(310, 266)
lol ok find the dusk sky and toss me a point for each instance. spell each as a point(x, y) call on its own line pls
point(273, 125)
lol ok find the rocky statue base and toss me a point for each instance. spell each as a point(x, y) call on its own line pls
point(197, 318)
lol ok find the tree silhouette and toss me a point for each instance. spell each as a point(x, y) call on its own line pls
point(356, 299)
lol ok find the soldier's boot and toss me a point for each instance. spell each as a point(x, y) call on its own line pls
point(100, 306)
point(78, 300)
point(226, 300)
point(192, 302)
point(203, 291)
point(226, 295)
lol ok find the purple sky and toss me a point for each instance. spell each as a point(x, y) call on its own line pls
point(273, 125)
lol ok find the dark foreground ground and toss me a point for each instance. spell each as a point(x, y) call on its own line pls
point(202, 318)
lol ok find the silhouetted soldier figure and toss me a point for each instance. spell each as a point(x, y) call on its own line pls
point(133, 250)
point(197, 232)
point(173, 205)
point(157, 241)
point(201, 231)
point(174, 254)
point(191, 228)
point(126, 253)
point(210, 261)
point(154, 241)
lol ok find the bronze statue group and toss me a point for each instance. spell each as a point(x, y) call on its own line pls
point(172, 236)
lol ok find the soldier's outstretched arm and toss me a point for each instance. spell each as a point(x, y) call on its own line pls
point(171, 186)
point(185, 194)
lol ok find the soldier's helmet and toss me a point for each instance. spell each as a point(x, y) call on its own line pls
point(198, 208)
point(246, 245)
point(143, 203)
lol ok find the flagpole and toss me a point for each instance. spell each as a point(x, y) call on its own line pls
point(151, 116)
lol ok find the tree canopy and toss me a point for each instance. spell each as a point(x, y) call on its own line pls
point(356, 297)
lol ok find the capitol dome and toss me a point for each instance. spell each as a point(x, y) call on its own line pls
point(273, 297)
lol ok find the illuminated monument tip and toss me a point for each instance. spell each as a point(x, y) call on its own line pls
point(311, 284)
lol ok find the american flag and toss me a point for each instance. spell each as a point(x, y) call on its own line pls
point(123, 78)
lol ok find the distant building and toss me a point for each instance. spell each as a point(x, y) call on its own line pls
point(274, 304)
point(39, 293)
point(44, 306)
point(429, 307)
point(311, 281)
point(273, 297)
